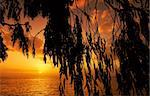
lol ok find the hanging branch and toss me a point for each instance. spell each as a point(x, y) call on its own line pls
point(3, 49)
point(107, 2)
point(84, 12)
point(34, 38)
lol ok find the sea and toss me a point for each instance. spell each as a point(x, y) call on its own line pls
point(31, 87)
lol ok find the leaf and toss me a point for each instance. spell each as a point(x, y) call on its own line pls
point(27, 26)
point(3, 49)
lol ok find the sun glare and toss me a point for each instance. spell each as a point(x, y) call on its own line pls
point(40, 72)
point(43, 68)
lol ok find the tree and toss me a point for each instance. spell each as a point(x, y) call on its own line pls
point(131, 49)
point(64, 43)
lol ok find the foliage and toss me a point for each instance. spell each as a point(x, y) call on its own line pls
point(64, 44)
point(131, 49)
point(3, 49)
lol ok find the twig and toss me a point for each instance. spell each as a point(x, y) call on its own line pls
point(107, 3)
point(3, 23)
point(82, 11)
point(37, 34)
point(33, 48)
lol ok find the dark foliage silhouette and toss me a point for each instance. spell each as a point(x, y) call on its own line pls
point(3, 49)
point(131, 49)
point(64, 44)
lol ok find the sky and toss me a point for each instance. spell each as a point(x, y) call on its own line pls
point(17, 63)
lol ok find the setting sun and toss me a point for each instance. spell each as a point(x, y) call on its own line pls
point(40, 72)
point(26, 65)
point(43, 68)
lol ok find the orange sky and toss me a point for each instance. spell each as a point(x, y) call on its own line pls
point(18, 63)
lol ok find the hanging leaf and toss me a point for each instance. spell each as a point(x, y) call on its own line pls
point(18, 34)
point(27, 26)
point(3, 49)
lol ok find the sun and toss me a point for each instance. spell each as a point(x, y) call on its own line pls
point(40, 72)
point(42, 68)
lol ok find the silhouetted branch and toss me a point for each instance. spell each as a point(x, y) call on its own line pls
point(109, 4)
point(3, 49)
point(33, 47)
point(84, 12)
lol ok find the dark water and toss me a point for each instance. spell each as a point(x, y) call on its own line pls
point(30, 87)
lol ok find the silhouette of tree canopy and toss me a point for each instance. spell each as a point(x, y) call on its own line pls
point(131, 49)
point(64, 44)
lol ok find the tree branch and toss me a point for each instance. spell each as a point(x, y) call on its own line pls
point(82, 11)
point(114, 8)
point(3, 23)
point(33, 48)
